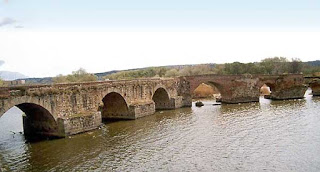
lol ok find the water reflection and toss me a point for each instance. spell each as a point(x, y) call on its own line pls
point(269, 135)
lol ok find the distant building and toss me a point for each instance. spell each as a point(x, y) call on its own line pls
point(17, 82)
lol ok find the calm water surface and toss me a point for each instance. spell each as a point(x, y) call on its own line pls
point(265, 136)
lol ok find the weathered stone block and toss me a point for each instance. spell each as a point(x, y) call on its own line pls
point(296, 92)
point(315, 86)
point(141, 110)
point(80, 123)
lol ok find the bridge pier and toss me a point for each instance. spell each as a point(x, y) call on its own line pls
point(315, 86)
point(33, 128)
point(141, 109)
point(146, 108)
point(65, 126)
point(286, 87)
point(241, 92)
point(295, 92)
point(79, 123)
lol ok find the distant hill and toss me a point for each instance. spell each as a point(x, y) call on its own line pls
point(313, 63)
point(46, 80)
point(102, 74)
point(7, 75)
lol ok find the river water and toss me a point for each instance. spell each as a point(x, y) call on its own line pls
point(265, 136)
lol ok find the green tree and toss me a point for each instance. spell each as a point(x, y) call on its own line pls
point(275, 65)
point(219, 69)
point(186, 71)
point(172, 73)
point(2, 83)
point(59, 79)
point(234, 68)
point(295, 66)
point(77, 76)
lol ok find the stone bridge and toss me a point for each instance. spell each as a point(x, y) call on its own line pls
point(314, 83)
point(66, 109)
point(246, 88)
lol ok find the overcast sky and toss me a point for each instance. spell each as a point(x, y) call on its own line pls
point(48, 37)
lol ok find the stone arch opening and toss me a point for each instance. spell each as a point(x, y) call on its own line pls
point(206, 91)
point(313, 87)
point(37, 121)
point(114, 106)
point(161, 99)
point(266, 90)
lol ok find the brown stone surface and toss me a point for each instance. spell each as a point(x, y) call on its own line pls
point(76, 104)
point(315, 86)
point(80, 123)
point(285, 86)
point(246, 88)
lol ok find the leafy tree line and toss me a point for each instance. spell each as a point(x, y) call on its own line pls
point(2, 83)
point(162, 72)
point(270, 66)
point(77, 76)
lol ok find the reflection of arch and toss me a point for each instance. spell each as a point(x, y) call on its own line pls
point(37, 120)
point(115, 106)
point(161, 99)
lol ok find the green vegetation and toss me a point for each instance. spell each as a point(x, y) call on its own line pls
point(3, 83)
point(270, 66)
point(140, 73)
point(155, 72)
point(77, 76)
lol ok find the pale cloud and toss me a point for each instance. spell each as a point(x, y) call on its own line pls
point(19, 27)
point(7, 21)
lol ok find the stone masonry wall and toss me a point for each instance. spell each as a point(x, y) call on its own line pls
point(245, 88)
point(80, 123)
point(75, 105)
point(315, 86)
